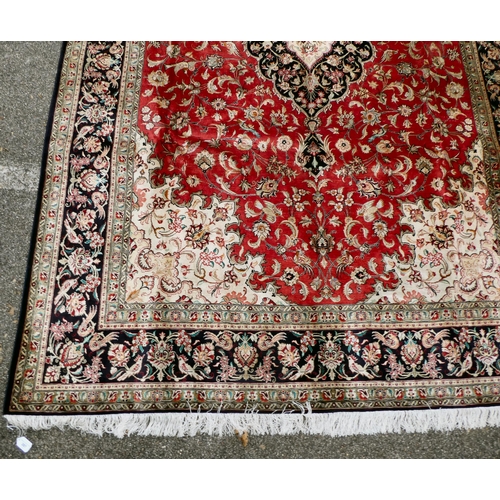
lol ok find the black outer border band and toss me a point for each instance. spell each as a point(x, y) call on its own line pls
point(34, 232)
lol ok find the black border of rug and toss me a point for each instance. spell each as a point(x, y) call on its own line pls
point(34, 232)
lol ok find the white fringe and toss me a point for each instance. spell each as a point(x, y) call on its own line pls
point(221, 424)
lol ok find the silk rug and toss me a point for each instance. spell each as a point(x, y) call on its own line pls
point(271, 237)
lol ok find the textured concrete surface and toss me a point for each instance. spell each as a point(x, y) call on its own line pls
point(27, 79)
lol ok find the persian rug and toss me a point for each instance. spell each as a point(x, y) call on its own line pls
point(274, 237)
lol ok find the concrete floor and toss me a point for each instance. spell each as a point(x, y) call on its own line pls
point(27, 79)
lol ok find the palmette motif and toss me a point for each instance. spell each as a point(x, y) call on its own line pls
point(258, 179)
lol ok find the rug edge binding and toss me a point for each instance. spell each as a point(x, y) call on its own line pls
point(224, 424)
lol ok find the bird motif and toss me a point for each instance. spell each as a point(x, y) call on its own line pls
point(231, 48)
point(389, 339)
point(88, 97)
point(303, 370)
point(270, 210)
point(387, 55)
point(223, 340)
point(98, 341)
point(83, 132)
point(98, 199)
point(71, 233)
point(409, 187)
point(466, 365)
point(248, 128)
point(303, 260)
point(63, 291)
point(265, 341)
point(88, 326)
point(370, 209)
point(186, 369)
point(429, 338)
point(442, 154)
point(132, 371)
point(358, 369)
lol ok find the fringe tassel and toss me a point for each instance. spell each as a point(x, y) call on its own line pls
point(307, 422)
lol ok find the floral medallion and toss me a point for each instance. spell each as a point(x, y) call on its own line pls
point(312, 75)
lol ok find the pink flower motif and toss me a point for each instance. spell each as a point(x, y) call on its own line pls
point(93, 372)
point(92, 144)
point(183, 339)
point(78, 162)
point(396, 369)
point(307, 340)
point(207, 258)
point(203, 354)
point(175, 222)
point(60, 329)
point(288, 355)
point(465, 337)
point(85, 219)
point(330, 355)
point(52, 374)
point(119, 355)
point(91, 283)
point(432, 258)
point(486, 351)
point(76, 304)
point(96, 240)
point(140, 340)
point(352, 340)
point(371, 354)
point(80, 261)
point(89, 180)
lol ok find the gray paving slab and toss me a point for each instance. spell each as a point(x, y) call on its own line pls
point(27, 78)
point(27, 75)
